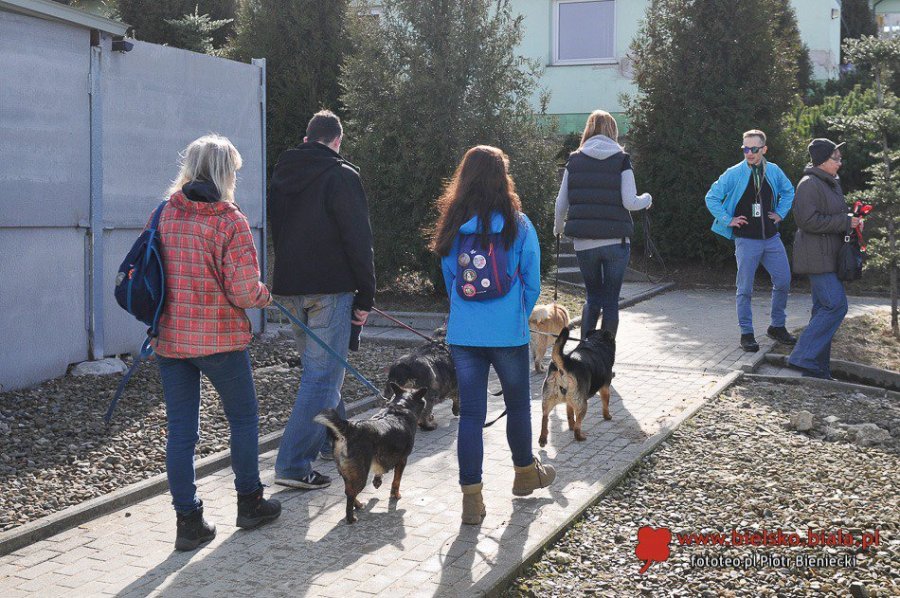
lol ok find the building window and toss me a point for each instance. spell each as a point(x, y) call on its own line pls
point(889, 24)
point(584, 31)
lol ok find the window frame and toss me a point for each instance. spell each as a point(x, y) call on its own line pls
point(557, 61)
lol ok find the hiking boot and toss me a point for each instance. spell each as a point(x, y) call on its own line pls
point(313, 481)
point(254, 510)
point(531, 477)
point(193, 530)
point(781, 334)
point(473, 510)
point(748, 343)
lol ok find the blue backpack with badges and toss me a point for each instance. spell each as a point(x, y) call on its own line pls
point(140, 282)
point(481, 272)
point(141, 291)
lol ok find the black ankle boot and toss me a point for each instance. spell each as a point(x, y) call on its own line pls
point(748, 343)
point(193, 530)
point(254, 510)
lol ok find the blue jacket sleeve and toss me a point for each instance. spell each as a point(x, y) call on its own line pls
point(448, 267)
point(530, 266)
point(785, 194)
point(715, 200)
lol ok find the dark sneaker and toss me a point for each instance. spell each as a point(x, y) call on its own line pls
point(193, 530)
point(749, 344)
point(781, 334)
point(313, 481)
point(254, 510)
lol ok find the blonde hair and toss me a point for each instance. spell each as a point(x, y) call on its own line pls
point(755, 133)
point(600, 122)
point(210, 158)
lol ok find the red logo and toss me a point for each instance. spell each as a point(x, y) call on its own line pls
point(653, 545)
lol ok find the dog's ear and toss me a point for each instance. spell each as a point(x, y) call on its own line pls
point(389, 390)
point(419, 395)
point(396, 388)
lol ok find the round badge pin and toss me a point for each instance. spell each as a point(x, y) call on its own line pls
point(479, 261)
point(470, 275)
point(485, 282)
point(468, 290)
point(463, 259)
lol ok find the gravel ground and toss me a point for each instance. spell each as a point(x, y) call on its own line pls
point(56, 452)
point(739, 463)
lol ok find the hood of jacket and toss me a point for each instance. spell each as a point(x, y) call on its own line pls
point(180, 201)
point(202, 191)
point(299, 167)
point(473, 225)
point(601, 147)
point(821, 174)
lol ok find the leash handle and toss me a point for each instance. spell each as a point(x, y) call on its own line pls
point(328, 349)
point(401, 324)
point(556, 278)
point(146, 351)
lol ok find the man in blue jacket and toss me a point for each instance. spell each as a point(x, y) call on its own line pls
point(748, 203)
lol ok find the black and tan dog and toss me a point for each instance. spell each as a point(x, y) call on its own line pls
point(379, 444)
point(575, 377)
point(428, 366)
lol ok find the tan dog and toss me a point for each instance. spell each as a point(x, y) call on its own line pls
point(549, 318)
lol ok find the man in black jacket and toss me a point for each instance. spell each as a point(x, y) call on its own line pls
point(324, 269)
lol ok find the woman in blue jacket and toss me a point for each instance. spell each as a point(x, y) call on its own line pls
point(480, 224)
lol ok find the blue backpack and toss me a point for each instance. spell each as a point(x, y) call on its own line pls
point(141, 291)
point(481, 271)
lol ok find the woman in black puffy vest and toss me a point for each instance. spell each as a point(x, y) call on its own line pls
point(593, 208)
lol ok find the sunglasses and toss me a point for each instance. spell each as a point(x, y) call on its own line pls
point(839, 159)
point(752, 150)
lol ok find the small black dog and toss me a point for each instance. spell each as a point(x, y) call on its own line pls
point(573, 378)
point(428, 366)
point(381, 443)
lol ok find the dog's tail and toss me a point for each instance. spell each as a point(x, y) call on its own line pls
point(558, 346)
point(337, 426)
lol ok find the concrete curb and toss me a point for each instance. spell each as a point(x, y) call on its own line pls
point(855, 372)
point(75, 515)
point(831, 385)
point(491, 586)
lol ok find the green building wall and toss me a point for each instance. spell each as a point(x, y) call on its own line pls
point(576, 90)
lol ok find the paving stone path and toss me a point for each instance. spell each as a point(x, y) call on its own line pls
point(672, 349)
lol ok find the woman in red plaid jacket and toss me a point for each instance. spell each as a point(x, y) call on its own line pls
point(212, 276)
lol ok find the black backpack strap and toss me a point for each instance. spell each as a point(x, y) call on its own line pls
point(146, 351)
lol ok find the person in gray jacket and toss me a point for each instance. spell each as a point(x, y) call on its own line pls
point(823, 221)
point(597, 193)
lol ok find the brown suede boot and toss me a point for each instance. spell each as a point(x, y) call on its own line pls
point(531, 477)
point(473, 504)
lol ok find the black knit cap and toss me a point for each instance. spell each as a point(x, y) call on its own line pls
point(821, 149)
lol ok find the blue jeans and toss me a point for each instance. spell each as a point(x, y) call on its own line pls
point(472, 368)
point(603, 270)
point(232, 377)
point(750, 253)
point(320, 386)
point(813, 349)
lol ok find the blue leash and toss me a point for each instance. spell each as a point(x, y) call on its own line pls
point(331, 351)
point(146, 351)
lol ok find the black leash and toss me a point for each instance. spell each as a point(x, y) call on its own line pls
point(556, 277)
point(499, 417)
point(650, 249)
